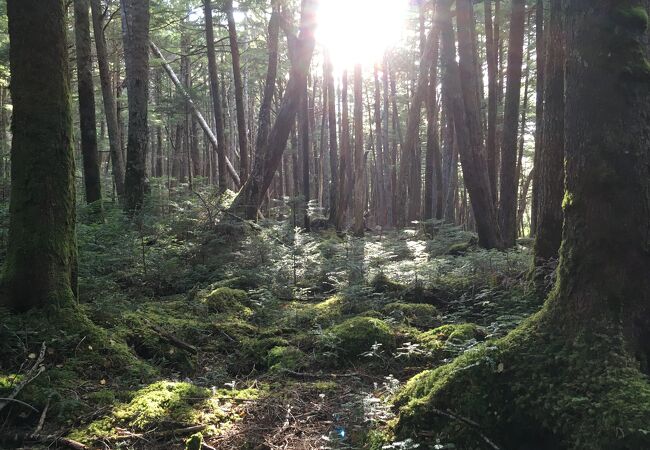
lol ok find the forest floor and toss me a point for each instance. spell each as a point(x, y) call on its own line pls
point(256, 336)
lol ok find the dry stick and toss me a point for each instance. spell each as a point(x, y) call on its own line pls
point(41, 421)
point(26, 380)
point(173, 339)
point(194, 109)
point(469, 422)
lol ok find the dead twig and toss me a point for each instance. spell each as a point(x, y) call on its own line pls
point(30, 376)
point(469, 422)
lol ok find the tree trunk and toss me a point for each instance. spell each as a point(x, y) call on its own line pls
point(253, 191)
point(216, 97)
point(305, 144)
point(86, 90)
point(264, 120)
point(135, 34)
point(345, 183)
point(242, 132)
point(462, 97)
point(550, 168)
point(110, 107)
point(509, 182)
point(359, 226)
point(41, 262)
point(334, 158)
point(433, 157)
point(540, 45)
point(492, 57)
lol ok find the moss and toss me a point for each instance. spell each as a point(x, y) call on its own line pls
point(194, 442)
point(357, 335)
point(381, 283)
point(420, 315)
point(256, 350)
point(103, 397)
point(290, 358)
point(535, 388)
point(635, 17)
point(166, 402)
point(226, 300)
point(330, 309)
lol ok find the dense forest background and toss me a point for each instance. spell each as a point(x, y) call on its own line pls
point(283, 224)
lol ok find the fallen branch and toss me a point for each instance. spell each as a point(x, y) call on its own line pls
point(176, 342)
point(469, 422)
point(30, 376)
point(195, 111)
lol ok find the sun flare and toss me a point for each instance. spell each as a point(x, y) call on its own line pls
point(360, 31)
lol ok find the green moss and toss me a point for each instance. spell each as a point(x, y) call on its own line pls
point(381, 283)
point(357, 335)
point(330, 309)
point(535, 388)
point(290, 358)
point(226, 300)
point(635, 17)
point(195, 442)
point(420, 315)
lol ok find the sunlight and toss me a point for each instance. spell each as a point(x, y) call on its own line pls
point(360, 31)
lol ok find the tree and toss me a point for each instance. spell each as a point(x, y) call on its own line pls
point(239, 92)
point(252, 193)
point(492, 57)
point(41, 264)
point(216, 96)
point(135, 35)
point(110, 107)
point(589, 346)
point(86, 89)
point(345, 182)
point(359, 157)
point(550, 168)
point(333, 150)
point(509, 177)
point(463, 105)
point(539, 107)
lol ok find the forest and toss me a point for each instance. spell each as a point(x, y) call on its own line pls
point(325, 224)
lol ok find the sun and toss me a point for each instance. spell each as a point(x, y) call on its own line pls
point(360, 31)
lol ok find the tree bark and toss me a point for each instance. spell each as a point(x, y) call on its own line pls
point(135, 35)
point(110, 107)
point(509, 182)
point(540, 45)
point(41, 262)
point(433, 163)
point(264, 120)
point(242, 133)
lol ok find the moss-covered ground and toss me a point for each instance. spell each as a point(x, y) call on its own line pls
point(232, 335)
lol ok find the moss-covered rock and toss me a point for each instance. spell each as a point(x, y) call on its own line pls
point(357, 335)
point(420, 315)
point(290, 358)
point(225, 300)
point(536, 388)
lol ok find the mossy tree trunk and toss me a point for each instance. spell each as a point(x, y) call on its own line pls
point(41, 265)
point(574, 376)
point(135, 34)
point(86, 88)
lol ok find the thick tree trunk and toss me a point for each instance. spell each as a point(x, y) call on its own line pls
point(242, 132)
point(433, 163)
point(462, 97)
point(41, 262)
point(305, 145)
point(359, 163)
point(86, 89)
point(253, 191)
point(216, 97)
point(110, 107)
point(509, 181)
point(135, 34)
point(550, 168)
